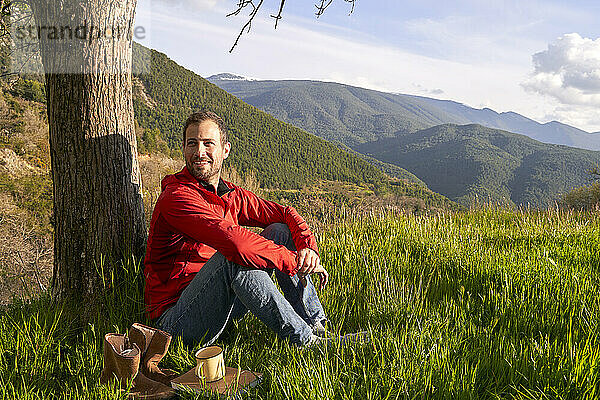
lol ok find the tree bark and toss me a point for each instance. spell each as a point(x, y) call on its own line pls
point(98, 209)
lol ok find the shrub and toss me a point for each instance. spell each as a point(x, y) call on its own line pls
point(30, 90)
point(583, 198)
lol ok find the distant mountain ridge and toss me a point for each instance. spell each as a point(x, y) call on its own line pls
point(471, 162)
point(231, 77)
point(280, 155)
point(353, 115)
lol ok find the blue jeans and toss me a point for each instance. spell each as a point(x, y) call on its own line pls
point(223, 291)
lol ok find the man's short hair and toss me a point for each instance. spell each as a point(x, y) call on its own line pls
point(205, 115)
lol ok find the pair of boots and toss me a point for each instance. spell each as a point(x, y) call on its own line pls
point(135, 357)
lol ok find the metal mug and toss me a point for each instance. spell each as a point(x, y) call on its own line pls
point(210, 364)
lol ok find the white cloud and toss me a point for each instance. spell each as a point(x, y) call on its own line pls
point(569, 71)
point(583, 117)
point(473, 39)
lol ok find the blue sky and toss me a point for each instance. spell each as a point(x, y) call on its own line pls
point(538, 58)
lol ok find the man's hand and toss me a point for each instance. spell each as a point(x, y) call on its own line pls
point(309, 263)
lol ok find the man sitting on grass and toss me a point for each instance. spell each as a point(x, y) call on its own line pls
point(204, 269)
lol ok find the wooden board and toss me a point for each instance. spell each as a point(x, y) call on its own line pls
point(235, 381)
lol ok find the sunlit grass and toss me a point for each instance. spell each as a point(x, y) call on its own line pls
point(488, 303)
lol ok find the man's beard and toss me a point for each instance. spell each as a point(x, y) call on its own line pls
point(201, 173)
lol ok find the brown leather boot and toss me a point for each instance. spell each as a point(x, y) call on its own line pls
point(122, 362)
point(153, 344)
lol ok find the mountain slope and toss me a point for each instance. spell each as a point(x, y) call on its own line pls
point(336, 112)
point(353, 115)
point(280, 155)
point(472, 161)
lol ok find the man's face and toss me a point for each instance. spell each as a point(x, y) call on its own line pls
point(203, 151)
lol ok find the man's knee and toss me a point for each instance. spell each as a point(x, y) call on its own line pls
point(278, 227)
point(278, 233)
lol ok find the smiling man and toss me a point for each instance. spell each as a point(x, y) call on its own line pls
point(204, 269)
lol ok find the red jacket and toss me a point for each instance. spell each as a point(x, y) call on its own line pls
point(190, 223)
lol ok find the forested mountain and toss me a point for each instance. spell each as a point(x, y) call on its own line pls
point(473, 161)
point(279, 154)
point(353, 115)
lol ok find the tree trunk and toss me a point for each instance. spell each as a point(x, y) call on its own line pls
point(98, 210)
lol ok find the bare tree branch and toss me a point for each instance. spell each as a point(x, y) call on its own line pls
point(326, 3)
point(242, 4)
point(322, 7)
point(278, 16)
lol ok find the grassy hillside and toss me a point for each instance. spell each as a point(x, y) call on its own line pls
point(471, 161)
point(482, 304)
point(279, 154)
point(479, 304)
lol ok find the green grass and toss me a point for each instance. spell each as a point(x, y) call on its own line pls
point(488, 303)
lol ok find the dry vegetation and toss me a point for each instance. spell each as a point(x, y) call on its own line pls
point(154, 167)
point(327, 202)
point(25, 234)
point(25, 257)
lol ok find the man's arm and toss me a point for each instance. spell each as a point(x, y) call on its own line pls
point(255, 211)
point(183, 210)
